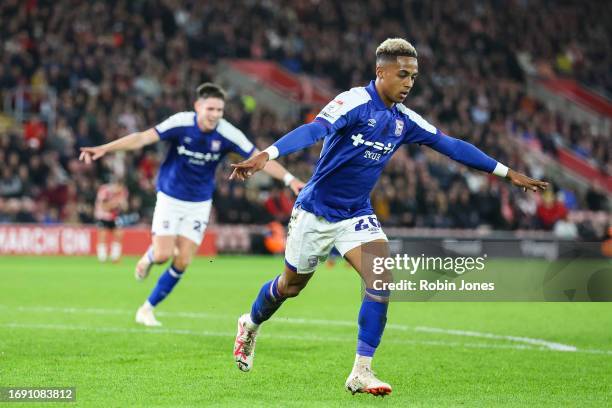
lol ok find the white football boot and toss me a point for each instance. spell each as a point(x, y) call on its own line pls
point(363, 380)
point(145, 316)
point(244, 346)
point(143, 267)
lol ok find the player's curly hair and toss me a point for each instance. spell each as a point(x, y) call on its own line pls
point(392, 48)
point(210, 90)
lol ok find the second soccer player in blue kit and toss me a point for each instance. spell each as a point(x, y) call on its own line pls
point(197, 142)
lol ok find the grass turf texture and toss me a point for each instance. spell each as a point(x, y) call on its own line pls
point(69, 322)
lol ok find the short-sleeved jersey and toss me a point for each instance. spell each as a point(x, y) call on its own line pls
point(188, 171)
point(363, 135)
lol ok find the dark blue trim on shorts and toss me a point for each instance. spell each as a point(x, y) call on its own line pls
point(293, 268)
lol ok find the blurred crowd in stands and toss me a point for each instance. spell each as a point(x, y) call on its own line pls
point(115, 67)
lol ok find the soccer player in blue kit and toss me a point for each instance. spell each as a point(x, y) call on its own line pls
point(197, 141)
point(361, 129)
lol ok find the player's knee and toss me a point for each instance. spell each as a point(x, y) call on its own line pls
point(291, 283)
point(291, 289)
point(181, 262)
point(378, 280)
point(377, 295)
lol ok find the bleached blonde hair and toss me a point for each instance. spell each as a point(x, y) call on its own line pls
point(393, 48)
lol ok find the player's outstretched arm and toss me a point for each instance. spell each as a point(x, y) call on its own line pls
point(297, 139)
point(468, 154)
point(273, 168)
point(247, 168)
point(132, 141)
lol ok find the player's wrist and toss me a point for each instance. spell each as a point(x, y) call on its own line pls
point(501, 170)
point(272, 151)
point(288, 178)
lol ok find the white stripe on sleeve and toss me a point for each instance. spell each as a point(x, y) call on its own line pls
point(344, 103)
point(234, 135)
point(180, 119)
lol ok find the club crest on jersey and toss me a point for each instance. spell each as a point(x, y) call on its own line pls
point(187, 140)
point(399, 126)
point(215, 145)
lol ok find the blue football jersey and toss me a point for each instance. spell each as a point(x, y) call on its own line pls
point(364, 135)
point(188, 171)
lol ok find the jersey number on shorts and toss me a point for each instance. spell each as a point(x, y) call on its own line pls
point(362, 224)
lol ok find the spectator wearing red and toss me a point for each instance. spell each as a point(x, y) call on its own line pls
point(35, 132)
point(550, 210)
point(148, 165)
point(279, 204)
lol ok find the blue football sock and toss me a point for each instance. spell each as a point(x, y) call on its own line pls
point(267, 302)
point(165, 284)
point(372, 320)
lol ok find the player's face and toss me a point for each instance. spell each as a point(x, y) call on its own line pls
point(209, 111)
point(397, 78)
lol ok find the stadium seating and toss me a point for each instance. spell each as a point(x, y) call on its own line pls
point(91, 81)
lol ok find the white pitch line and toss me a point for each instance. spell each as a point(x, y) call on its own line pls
point(303, 321)
point(526, 340)
point(341, 339)
point(187, 332)
point(96, 311)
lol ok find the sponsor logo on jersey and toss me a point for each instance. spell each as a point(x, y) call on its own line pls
point(358, 140)
point(198, 157)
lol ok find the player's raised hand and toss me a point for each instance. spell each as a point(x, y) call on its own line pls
point(521, 180)
point(248, 167)
point(296, 186)
point(88, 154)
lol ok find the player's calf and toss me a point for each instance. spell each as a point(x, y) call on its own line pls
point(166, 283)
point(181, 261)
point(101, 251)
point(115, 251)
point(372, 320)
point(268, 300)
point(270, 297)
point(146, 262)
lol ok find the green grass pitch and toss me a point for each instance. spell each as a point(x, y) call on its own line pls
point(69, 322)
